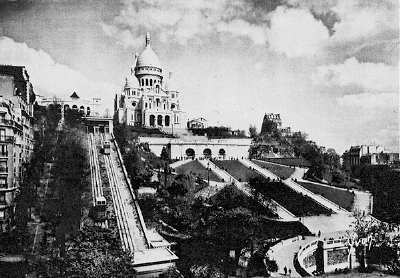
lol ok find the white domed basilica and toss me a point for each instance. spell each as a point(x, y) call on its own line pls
point(148, 98)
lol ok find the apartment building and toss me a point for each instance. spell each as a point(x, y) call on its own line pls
point(16, 136)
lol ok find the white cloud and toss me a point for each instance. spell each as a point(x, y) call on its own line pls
point(361, 19)
point(183, 20)
point(368, 76)
point(240, 27)
point(295, 32)
point(369, 101)
point(47, 76)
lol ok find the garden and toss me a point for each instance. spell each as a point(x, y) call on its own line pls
point(237, 169)
point(281, 171)
point(343, 198)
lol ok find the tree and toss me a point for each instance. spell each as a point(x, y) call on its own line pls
point(253, 131)
point(96, 252)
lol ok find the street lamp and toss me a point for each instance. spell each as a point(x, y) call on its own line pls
point(208, 173)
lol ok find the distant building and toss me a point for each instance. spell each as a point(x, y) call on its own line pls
point(198, 123)
point(286, 131)
point(367, 155)
point(88, 107)
point(16, 136)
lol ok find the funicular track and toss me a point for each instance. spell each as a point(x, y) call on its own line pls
point(129, 219)
point(97, 188)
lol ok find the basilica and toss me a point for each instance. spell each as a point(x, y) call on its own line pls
point(149, 98)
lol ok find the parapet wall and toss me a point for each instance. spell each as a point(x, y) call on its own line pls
point(231, 147)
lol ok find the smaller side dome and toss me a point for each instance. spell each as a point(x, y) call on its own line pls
point(131, 82)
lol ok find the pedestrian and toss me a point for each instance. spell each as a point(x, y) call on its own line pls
point(290, 272)
point(285, 270)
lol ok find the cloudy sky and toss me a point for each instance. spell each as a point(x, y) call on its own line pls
point(330, 68)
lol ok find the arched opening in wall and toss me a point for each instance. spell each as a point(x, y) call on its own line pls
point(157, 102)
point(75, 107)
point(190, 152)
point(88, 111)
point(159, 120)
point(82, 109)
point(173, 106)
point(167, 120)
point(66, 107)
point(142, 82)
point(222, 153)
point(152, 120)
point(207, 152)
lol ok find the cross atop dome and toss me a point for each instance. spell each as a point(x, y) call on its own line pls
point(147, 39)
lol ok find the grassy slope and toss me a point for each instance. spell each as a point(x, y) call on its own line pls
point(196, 168)
point(281, 171)
point(236, 169)
point(343, 198)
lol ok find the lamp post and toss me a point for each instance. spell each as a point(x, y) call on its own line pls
point(208, 173)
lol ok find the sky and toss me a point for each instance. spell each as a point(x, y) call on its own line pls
point(330, 68)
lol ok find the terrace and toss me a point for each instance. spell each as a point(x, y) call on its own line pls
point(236, 169)
point(194, 167)
point(298, 204)
point(343, 198)
point(281, 171)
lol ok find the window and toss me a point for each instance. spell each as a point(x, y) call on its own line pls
point(3, 150)
point(3, 183)
point(2, 214)
point(2, 197)
point(3, 166)
point(151, 82)
point(147, 82)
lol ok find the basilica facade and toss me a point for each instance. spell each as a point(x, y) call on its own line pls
point(149, 98)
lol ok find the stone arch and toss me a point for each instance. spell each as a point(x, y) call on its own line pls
point(207, 152)
point(159, 120)
point(167, 120)
point(222, 152)
point(190, 152)
point(152, 120)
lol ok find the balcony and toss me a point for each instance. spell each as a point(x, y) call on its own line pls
point(10, 123)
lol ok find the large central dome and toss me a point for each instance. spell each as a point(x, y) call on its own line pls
point(148, 57)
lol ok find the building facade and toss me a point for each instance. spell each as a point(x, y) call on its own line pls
point(88, 107)
point(367, 155)
point(16, 136)
point(149, 98)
